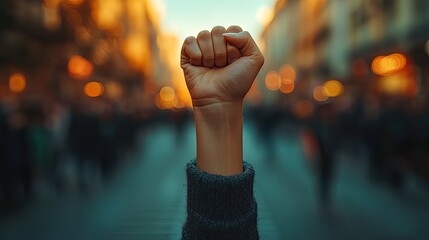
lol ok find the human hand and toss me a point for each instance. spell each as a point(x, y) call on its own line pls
point(220, 66)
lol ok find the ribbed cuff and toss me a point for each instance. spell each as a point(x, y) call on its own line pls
point(221, 203)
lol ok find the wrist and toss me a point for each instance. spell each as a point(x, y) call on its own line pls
point(219, 113)
point(219, 138)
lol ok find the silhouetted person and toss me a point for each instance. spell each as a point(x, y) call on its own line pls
point(325, 131)
point(15, 168)
point(84, 141)
point(108, 142)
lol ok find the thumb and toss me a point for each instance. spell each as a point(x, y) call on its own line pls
point(244, 42)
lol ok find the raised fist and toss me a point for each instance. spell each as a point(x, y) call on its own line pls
point(220, 66)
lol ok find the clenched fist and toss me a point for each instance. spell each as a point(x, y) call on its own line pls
point(220, 66)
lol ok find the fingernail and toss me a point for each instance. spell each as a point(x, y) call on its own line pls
point(230, 34)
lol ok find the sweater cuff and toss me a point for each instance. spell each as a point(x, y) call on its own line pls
point(222, 202)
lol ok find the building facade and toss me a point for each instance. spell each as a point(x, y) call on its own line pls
point(335, 39)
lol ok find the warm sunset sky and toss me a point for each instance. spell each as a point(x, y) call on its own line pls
point(188, 17)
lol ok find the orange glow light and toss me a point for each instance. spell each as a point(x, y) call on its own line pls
point(167, 94)
point(93, 89)
point(161, 104)
point(272, 81)
point(17, 83)
point(177, 103)
point(376, 64)
point(287, 86)
point(386, 65)
point(320, 93)
point(107, 13)
point(398, 84)
point(287, 72)
point(79, 67)
point(334, 87)
point(136, 49)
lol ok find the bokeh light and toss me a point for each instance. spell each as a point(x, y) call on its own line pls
point(135, 49)
point(320, 93)
point(106, 14)
point(167, 94)
point(273, 81)
point(17, 83)
point(178, 103)
point(287, 72)
point(168, 99)
point(393, 85)
point(93, 89)
point(287, 86)
point(334, 88)
point(79, 67)
point(386, 65)
point(162, 104)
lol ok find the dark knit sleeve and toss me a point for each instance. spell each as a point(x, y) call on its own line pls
point(220, 207)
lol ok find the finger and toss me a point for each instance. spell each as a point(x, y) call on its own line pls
point(232, 52)
point(219, 46)
point(204, 40)
point(245, 43)
point(234, 29)
point(191, 53)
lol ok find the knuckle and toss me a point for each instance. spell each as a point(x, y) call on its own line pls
point(195, 61)
point(234, 28)
point(247, 34)
point(189, 40)
point(221, 54)
point(233, 57)
point(260, 59)
point(203, 35)
point(218, 29)
point(209, 57)
point(196, 56)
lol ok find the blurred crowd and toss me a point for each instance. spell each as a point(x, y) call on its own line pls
point(49, 146)
point(387, 134)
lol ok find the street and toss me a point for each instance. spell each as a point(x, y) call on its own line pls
point(146, 197)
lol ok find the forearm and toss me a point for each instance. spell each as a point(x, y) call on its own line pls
point(219, 138)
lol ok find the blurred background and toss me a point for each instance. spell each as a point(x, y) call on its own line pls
point(96, 124)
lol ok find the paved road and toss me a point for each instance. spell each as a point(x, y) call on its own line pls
point(146, 200)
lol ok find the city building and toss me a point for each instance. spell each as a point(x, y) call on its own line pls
point(55, 47)
point(334, 39)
